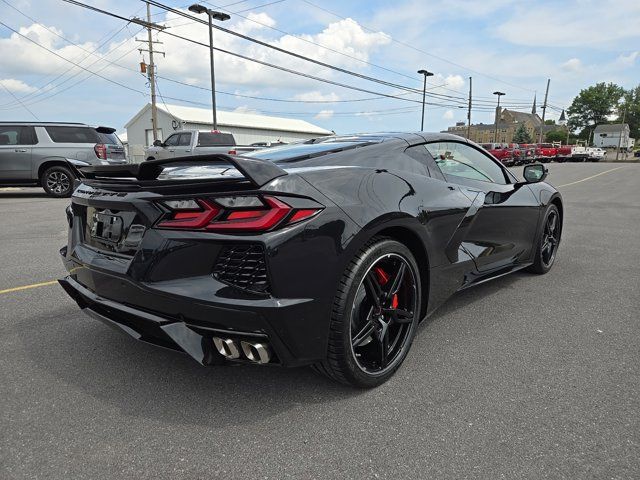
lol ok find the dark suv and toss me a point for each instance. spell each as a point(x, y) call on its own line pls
point(34, 154)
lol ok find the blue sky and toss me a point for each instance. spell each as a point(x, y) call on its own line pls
point(511, 46)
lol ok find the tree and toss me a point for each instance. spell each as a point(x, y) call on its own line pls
point(521, 135)
point(592, 106)
point(631, 103)
point(550, 122)
point(556, 136)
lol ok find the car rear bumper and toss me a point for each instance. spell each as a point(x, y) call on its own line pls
point(288, 327)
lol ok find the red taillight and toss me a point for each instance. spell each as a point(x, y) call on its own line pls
point(101, 151)
point(243, 214)
point(232, 152)
point(191, 219)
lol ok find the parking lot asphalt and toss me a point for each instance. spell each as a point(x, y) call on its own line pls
point(523, 377)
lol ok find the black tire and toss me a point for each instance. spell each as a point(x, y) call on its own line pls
point(549, 239)
point(57, 181)
point(151, 158)
point(343, 363)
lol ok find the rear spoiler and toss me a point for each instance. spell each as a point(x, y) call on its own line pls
point(258, 171)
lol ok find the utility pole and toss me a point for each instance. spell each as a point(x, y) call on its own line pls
point(624, 114)
point(469, 111)
point(544, 108)
point(151, 69)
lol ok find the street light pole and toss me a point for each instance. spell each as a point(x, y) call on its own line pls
point(499, 94)
point(426, 74)
point(195, 8)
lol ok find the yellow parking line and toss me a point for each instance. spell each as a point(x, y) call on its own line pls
point(592, 176)
point(27, 287)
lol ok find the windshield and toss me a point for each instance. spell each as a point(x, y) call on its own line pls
point(298, 150)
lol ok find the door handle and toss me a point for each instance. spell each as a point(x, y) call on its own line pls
point(172, 150)
point(20, 150)
point(187, 151)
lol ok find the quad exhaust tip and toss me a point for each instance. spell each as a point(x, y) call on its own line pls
point(255, 352)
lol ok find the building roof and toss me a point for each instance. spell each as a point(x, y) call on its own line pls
point(235, 119)
point(522, 117)
point(610, 128)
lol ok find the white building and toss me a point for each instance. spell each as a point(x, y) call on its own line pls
point(608, 136)
point(247, 128)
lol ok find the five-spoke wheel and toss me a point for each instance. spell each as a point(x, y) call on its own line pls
point(376, 311)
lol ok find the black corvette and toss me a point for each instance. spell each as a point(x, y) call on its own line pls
point(326, 253)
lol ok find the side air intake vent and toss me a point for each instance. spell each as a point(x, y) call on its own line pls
point(243, 267)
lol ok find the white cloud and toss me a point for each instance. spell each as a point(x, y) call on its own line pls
point(448, 115)
point(572, 65)
point(627, 61)
point(316, 96)
point(345, 36)
point(16, 86)
point(596, 23)
point(324, 114)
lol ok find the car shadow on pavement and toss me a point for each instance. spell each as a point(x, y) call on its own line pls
point(24, 194)
point(151, 382)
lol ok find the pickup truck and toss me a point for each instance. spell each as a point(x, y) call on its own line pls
point(501, 152)
point(187, 143)
point(547, 152)
point(563, 152)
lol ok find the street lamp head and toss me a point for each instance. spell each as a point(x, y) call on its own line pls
point(221, 16)
point(426, 73)
point(196, 8)
point(499, 93)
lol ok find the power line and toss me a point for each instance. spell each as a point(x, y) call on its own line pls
point(18, 100)
point(420, 50)
point(300, 56)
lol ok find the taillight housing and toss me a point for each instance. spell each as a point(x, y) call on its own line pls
point(101, 151)
point(235, 214)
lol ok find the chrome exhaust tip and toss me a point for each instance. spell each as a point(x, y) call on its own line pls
point(226, 347)
point(256, 352)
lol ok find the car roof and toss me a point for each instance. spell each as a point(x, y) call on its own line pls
point(412, 138)
point(48, 124)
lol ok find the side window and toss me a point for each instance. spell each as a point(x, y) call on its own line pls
point(10, 135)
point(460, 160)
point(185, 140)
point(73, 134)
point(426, 163)
point(172, 141)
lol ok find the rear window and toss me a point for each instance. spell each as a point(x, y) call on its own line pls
point(73, 134)
point(206, 139)
point(17, 135)
point(108, 138)
point(297, 150)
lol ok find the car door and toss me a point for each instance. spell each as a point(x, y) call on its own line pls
point(183, 148)
point(168, 149)
point(502, 226)
point(16, 145)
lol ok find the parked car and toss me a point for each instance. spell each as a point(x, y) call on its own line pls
point(326, 253)
point(548, 152)
point(187, 143)
point(563, 152)
point(500, 151)
point(518, 153)
point(36, 154)
point(596, 154)
point(532, 152)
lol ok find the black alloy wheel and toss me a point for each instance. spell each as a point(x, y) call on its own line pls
point(549, 241)
point(550, 238)
point(375, 315)
point(57, 181)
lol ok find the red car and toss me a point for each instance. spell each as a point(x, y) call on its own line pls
point(501, 152)
point(547, 152)
point(563, 153)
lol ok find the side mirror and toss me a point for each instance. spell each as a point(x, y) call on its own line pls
point(535, 173)
point(157, 143)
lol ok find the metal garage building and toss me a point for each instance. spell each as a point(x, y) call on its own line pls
point(247, 128)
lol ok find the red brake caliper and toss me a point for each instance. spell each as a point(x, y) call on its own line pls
point(383, 279)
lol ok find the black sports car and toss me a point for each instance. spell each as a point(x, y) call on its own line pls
point(325, 253)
